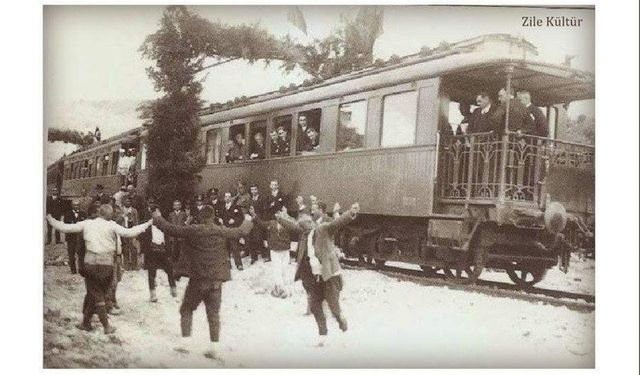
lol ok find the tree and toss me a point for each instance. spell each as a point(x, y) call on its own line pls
point(187, 44)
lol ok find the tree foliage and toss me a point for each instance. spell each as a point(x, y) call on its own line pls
point(581, 130)
point(187, 44)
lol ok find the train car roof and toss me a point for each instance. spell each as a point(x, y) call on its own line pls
point(464, 62)
point(467, 65)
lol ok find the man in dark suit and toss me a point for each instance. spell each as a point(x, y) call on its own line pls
point(274, 201)
point(100, 199)
point(176, 217)
point(214, 201)
point(55, 208)
point(232, 218)
point(519, 119)
point(197, 211)
point(75, 242)
point(209, 270)
point(480, 118)
point(541, 125)
point(257, 147)
point(258, 235)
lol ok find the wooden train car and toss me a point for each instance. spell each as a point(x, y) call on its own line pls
point(457, 203)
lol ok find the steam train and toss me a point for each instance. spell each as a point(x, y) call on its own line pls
point(456, 203)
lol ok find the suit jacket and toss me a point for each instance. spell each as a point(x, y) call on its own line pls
point(134, 217)
point(273, 205)
point(481, 122)
point(323, 243)
point(70, 218)
point(232, 217)
point(55, 207)
point(179, 218)
point(259, 203)
point(540, 123)
point(519, 118)
point(206, 247)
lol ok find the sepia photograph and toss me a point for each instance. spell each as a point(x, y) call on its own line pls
point(319, 186)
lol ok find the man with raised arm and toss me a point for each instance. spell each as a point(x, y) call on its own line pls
point(100, 237)
point(319, 267)
point(210, 267)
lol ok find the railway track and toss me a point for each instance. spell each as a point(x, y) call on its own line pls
point(573, 301)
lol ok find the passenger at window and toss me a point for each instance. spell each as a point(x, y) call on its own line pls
point(480, 119)
point(275, 145)
point(303, 138)
point(283, 141)
point(313, 140)
point(519, 120)
point(541, 125)
point(257, 149)
point(236, 149)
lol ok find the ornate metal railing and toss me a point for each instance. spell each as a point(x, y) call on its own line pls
point(511, 167)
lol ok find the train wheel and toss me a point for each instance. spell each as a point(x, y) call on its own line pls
point(428, 270)
point(379, 263)
point(465, 272)
point(526, 277)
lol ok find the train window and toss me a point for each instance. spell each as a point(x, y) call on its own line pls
point(399, 119)
point(213, 143)
point(67, 170)
point(352, 124)
point(308, 138)
point(280, 136)
point(96, 167)
point(85, 168)
point(105, 165)
point(114, 163)
point(257, 133)
point(237, 144)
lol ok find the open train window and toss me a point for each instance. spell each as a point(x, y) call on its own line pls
point(213, 144)
point(114, 163)
point(105, 165)
point(352, 123)
point(399, 113)
point(280, 136)
point(96, 170)
point(257, 140)
point(237, 144)
point(308, 131)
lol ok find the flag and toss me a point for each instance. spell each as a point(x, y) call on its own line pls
point(295, 16)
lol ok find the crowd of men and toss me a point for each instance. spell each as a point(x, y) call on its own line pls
point(524, 117)
point(308, 141)
point(198, 240)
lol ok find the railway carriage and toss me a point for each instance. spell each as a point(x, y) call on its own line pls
point(463, 203)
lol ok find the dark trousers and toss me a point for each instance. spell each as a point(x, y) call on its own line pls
point(98, 279)
point(161, 260)
point(209, 292)
point(235, 249)
point(49, 230)
point(130, 254)
point(255, 243)
point(75, 246)
point(325, 290)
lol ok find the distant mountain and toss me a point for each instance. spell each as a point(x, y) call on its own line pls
point(111, 116)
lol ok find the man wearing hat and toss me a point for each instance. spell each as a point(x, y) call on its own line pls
point(232, 218)
point(55, 209)
point(100, 199)
point(209, 260)
point(156, 255)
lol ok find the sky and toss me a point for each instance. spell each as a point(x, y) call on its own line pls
point(91, 52)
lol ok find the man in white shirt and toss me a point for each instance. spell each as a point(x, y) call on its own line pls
point(100, 237)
